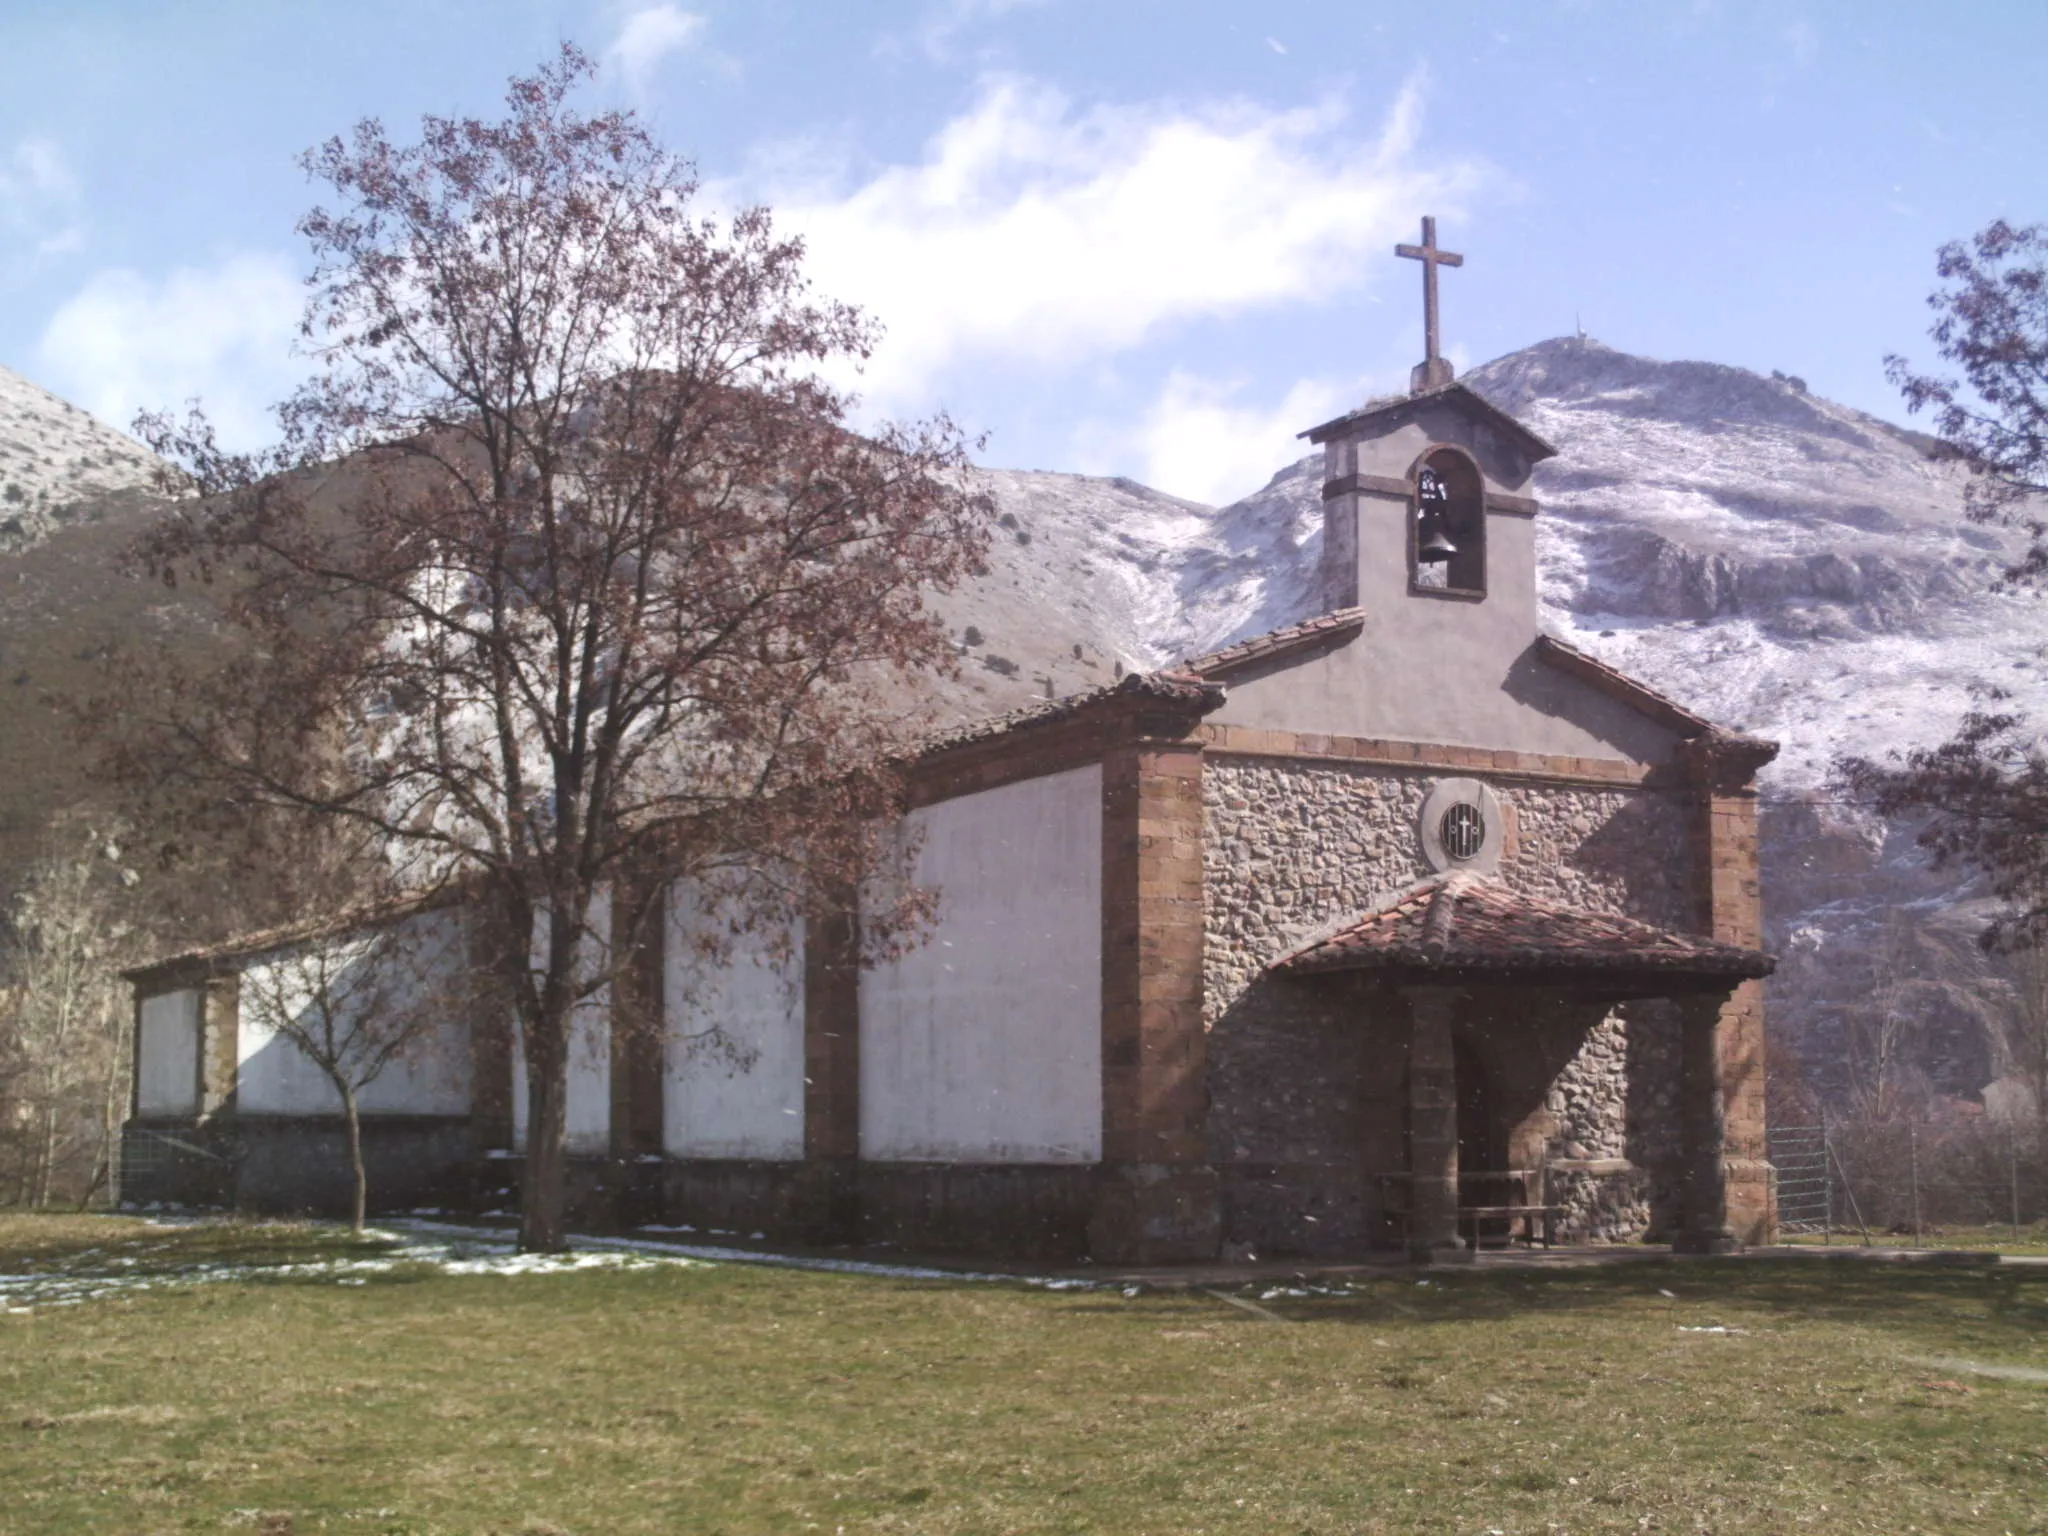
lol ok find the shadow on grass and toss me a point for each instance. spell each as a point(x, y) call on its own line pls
point(1901, 1297)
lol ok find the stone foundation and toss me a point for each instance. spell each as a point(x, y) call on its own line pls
point(1017, 1211)
point(293, 1167)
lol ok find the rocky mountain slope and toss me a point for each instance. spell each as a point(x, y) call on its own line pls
point(53, 457)
point(1774, 560)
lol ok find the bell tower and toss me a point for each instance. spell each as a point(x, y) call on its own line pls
point(1425, 495)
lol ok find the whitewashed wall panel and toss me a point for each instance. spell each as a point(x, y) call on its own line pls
point(735, 1038)
point(985, 1043)
point(167, 1054)
point(589, 1108)
point(422, 970)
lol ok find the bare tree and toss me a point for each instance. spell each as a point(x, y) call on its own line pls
point(2023, 1042)
point(1992, 322)
point(568, 569)
point(377, 993)
point(64, 1019)
point(1984, 792)
point(1907, 971)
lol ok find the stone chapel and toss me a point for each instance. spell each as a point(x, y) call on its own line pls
point(1406, 928)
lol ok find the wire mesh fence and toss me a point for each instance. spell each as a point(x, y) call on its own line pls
point(167, 1165)
point(1897, 1177)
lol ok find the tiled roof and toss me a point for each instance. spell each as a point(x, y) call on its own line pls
point(1340, 625)
point(283, 936)
point(1172, 686)
point(1732, 758)
point(1459, 922)
point(1452, 393)
point(1619, 685)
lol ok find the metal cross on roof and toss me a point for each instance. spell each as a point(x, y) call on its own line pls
point(1434, 370)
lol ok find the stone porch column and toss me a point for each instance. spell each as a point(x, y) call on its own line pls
point(1702, 1128)
point(1432, 1127)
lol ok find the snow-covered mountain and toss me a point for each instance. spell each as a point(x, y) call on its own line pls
point(53, 456)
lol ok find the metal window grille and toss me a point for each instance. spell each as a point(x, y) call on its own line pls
point(1463, 831)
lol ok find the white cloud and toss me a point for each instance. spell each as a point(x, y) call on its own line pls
point(125, 342)
point(1801, 42)
point(950, 19)
point(649, 35)
point(939, 31)
point(38, 199)
point(1197, 441)
point(1031, 232)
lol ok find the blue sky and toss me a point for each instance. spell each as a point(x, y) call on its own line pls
point(1140, 238)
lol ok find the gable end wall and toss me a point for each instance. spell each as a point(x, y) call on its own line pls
point(1306, 1080)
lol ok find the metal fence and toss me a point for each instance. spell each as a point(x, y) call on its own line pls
point(1806, 1184)
point(166, 1165)
point(1894, 1178)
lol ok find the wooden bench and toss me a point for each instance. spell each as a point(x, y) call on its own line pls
point(1523, 1206)
point(1470, 1217)
point(1519, 1203)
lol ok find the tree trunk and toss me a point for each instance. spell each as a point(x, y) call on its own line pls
point(543, 1208)
point(113, 1104)
point(352, 1118)
point(46, 1151)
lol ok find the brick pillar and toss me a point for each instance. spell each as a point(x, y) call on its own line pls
point(1157, 1200)
point(1702, 1128)
point(1432, 1127)
point(1726, 852)
point(830, 1194)
point(639, 1025)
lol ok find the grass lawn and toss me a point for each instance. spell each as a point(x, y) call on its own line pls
point(735, 1398)
point(2029, 1239)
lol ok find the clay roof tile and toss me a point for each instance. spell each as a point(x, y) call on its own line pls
point(1458, 922)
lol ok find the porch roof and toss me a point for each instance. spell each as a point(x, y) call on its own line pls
point(1460, 925)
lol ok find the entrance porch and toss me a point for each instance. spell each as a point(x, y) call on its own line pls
point(1527, 1069)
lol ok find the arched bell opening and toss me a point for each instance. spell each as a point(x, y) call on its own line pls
point(1447, 525)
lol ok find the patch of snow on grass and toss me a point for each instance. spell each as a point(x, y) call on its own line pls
point(451, 1251)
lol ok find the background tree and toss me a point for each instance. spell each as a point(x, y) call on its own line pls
point(1983, 794)
point(1981, 797)
point(357, 1001)
point(2023, 1042)
point(64, 1019)
point(568, 568)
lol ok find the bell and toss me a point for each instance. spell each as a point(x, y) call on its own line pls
point(1434, 548)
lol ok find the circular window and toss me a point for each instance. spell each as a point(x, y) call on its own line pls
point(1463, 831)
point(1463, 825)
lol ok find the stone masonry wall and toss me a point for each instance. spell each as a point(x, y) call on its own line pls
point(1305, 1076)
